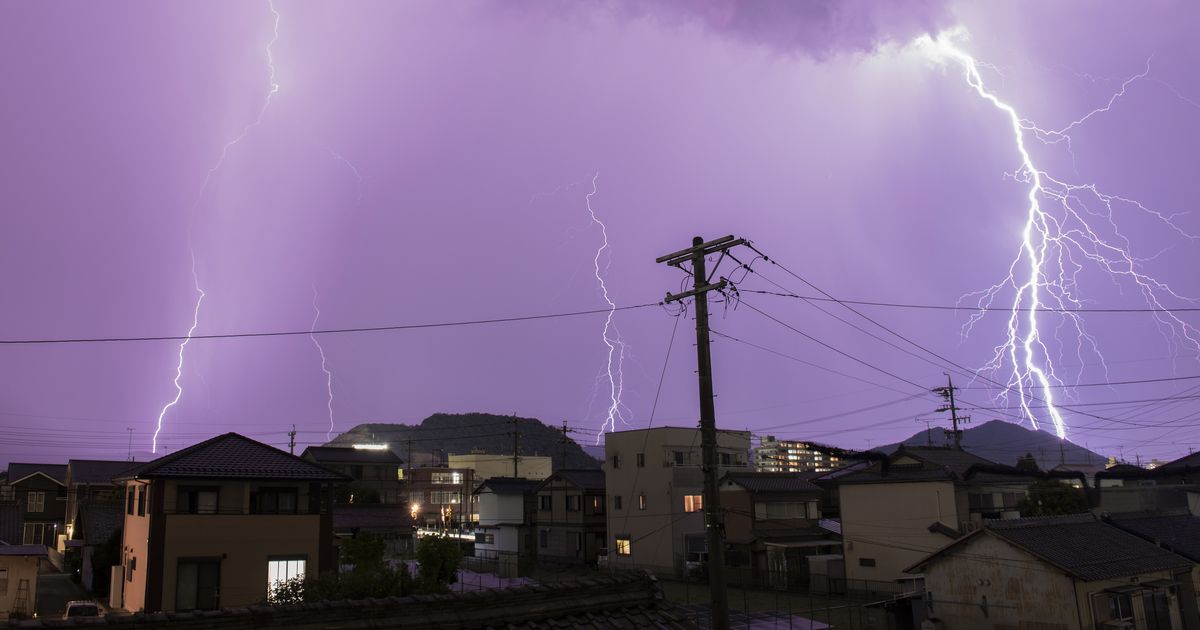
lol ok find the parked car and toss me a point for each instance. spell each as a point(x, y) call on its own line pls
point(81, 608)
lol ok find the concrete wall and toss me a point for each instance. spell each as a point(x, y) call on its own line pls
point(19, 568)
point(573, 536)
point(501, 508)
point(488, 466)
point(135, 549)
point(888, 523)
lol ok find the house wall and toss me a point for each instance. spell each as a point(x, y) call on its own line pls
point(135, 550)
point(505, 539)
point(18, 568)
point(888, 524)
point(488, 466)
point(501, 508)
point(573, 536)
point(52, 512)
point(658, 532)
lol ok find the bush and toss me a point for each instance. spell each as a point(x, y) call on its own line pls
point(381, 582)
point(439, 558)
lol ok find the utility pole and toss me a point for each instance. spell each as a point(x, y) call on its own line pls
point(947, 393)
point(410, 461)
point(564, 444)
point(292, 440)
point(713, 519)
point(928, 431)
point(129, 453)
point(516, 443)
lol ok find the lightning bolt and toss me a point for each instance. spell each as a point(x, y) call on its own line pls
point(615, 359)
point(1056, 240)
point(324, 365)
point(273, 88)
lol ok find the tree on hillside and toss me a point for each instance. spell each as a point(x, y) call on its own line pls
point(1050, 498)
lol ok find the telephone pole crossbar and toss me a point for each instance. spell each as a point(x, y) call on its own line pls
point(713, 518)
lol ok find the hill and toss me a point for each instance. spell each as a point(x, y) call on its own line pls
point(1005, 442)
point(467, 432)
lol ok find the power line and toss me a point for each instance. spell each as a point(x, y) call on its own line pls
point(942, 307)
point(327, 331)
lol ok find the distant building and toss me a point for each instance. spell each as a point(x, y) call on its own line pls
point(791, 456)
point(40, 493)
point(391, 522)
point(1070, 572)
point(572, 517)
point(487, 466)
point(377, 473)
point(441, 498)
point(655, 487)
point(507, 511)
point(217, 523)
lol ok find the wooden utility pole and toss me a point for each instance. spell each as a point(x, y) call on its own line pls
point(292, 440)
point(565, 441)
point(713, 518)
point(947, 393)
point(516, 445)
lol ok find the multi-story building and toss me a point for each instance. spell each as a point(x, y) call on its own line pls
point(655, 487)
point(572, 517)
point(507, 510)
point(774, 455)
point(39, 492)
point(486, 466)
point(376, 472)
point(218, 523)
point(441, 498)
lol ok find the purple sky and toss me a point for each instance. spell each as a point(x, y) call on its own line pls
point(471, 133)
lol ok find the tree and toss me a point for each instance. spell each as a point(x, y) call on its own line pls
point(365, 552)
point(439, 557)
point(1027, 462)
point(1049, 498)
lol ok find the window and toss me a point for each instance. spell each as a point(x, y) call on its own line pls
point(3, 581)
point(131, 562)
point(616, 501)
point(545, 502)
point(285, 568)
point(678, 456)
point(726, 459)
point(696, 547)
point(1112, 606)
point(273, 501)
point(129, 490)
point(6, 493)
point(693, 502)
point(769, 510)
point(597, 504)
point(641, 501)
point(624, 545)
point(866, 562)
point(574, 503)
point(455, 478)
point(543, 538)
point(35, 501)
point(616, 461)
point(198, 584)
point(444, 497)
point(193, 500)
point(38, 534)
point(141, 501)
point(641, 460)
point(485, 539)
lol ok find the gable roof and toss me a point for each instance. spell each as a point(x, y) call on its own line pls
point(347, 455)
point(509, 485)
point(586, 479)
point(96, 471)
point(1179, 533)
point(18, 472)
point(232, 456)
point(1077, 544)
point(770, 482)
point(951, 459)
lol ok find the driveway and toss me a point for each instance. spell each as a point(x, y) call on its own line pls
point(54, 590)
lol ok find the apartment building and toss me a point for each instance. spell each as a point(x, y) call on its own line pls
point(486, 466)
point(377, 474)
point(774, 455)
point(572, 517)
point(655, 487)
point(441, 497)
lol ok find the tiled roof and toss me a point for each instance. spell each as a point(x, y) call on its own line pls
point(99, 523)
point(586, 480)
point(378, 516)
point(232, 456)
point(770, 482)
point(510, 485)
point(1191, 460)
point(96, 471)
point(17, 472)
point(952, 459)
point(22, 550)
point(344, 455)
point(1178, 533)
point(1085, 547)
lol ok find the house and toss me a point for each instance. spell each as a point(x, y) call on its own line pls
point(90, 482)
point(772, 525)
point(1178, 533)
point(774, 455)
point(215, 524)
point(40, 491)
point(572, 517)
point(1165, 488)
point(913, 502)
point(98, 531)
point(378, 476)
point(507, 509)
point(441, 497)
point(389, 521)
point(1070, 572)
point(485, 466)
point(19, 566)
point(655, 487)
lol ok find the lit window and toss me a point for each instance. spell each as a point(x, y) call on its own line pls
point(624, 545)
point(284, 569)
point(693, 502)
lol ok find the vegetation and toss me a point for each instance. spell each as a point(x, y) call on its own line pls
point(1051, 498)
point(439, 558)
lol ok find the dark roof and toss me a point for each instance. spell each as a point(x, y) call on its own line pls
point(22, 550)
point(232, 456)
point(1079, 545)
point(376, 516)
point(1191, 460)
point(937, 463)
point(98, 523)
point(1178, 533)
point(510, 485)
point(96, 471)
point(344, 455)
point(952, 459)
point(770, 482)
point(588, 480)
point(17, 472)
